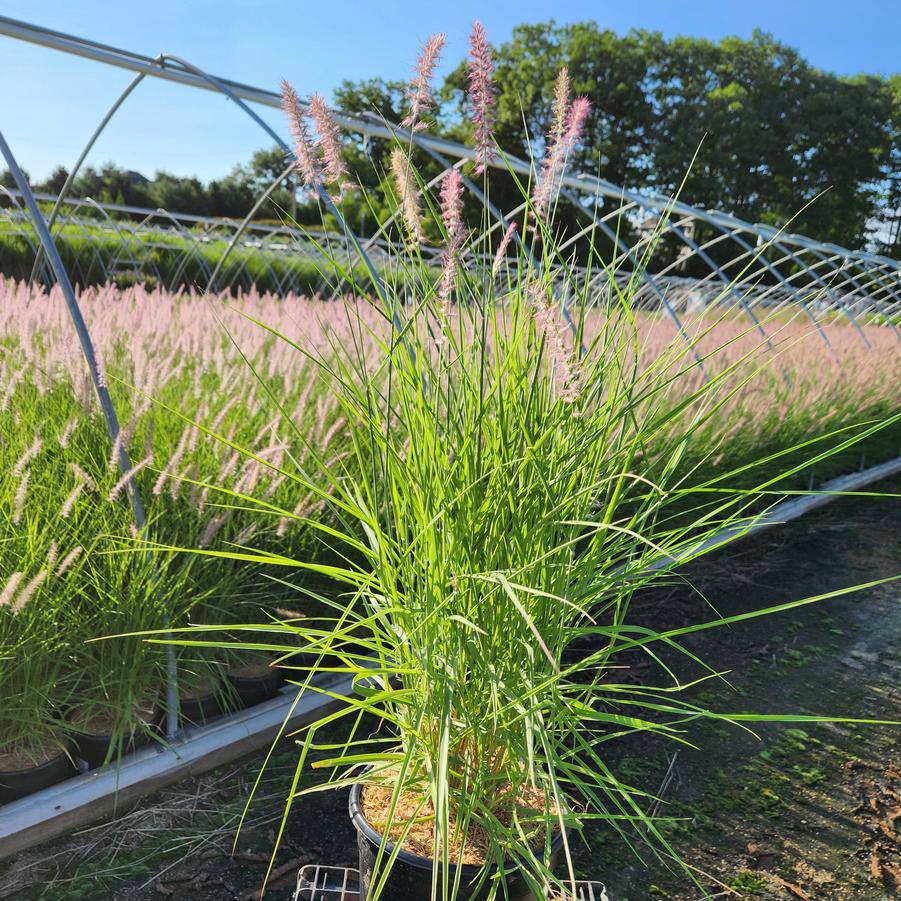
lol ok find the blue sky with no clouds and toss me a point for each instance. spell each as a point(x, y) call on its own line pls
point(50, 102)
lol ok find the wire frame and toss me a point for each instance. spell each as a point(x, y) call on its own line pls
point(319, 883)
point(705, 258)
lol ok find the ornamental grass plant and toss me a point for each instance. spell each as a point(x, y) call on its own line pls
point(63, 508)
point(519, 465)
point(456, 478)
point(60, 502)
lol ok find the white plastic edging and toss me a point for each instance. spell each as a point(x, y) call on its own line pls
point(56, 810)
point(786, 511)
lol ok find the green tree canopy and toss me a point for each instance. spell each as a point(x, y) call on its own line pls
point(776, 139)
point(772, 132)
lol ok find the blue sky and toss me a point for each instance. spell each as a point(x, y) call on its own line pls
point(50, 102)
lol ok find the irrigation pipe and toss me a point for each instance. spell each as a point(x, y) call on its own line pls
point(787, 511)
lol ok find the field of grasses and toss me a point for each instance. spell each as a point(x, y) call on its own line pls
point(448, 482)
point(94, 254)
point(177, 367)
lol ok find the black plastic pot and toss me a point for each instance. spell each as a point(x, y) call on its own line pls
point(197, 711)
point(93, 749)
point(256, 689)
point(15, 784)
point(411, 875)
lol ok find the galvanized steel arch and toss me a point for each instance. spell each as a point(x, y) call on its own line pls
point(873, 282)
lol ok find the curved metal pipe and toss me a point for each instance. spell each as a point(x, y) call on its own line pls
point(778, 275)
point(210, 285)
point(70, 178)
point(118, 231)
point(103, 396)
point(730, 287)
point(776, 242)
point(645, 276)
point(228, 91)
point(188, 76)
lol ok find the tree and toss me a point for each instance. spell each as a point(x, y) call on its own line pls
point(7, 180)
point(774, 135)
point(613, 72)
point(771, 132)
point(53, 184)
point(181, 195)
point(885, 227)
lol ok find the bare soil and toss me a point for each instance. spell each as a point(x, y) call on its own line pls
point(36, 754)
point(102, 722)
point(804, 810)
point(777, 811)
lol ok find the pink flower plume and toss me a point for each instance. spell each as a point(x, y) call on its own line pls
point(420, 93)
point(408, 191)
point(482, 96)
point(567, 123)
point(452, 216)
point(501, 252)
point(304, 150)
point(329, 142)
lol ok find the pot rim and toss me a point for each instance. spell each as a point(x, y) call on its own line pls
point(158, 714)
point(63, 755)
point(129, 736)
point(408, 857)
point(265, 677)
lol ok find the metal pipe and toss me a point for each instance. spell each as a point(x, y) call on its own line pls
point(231, 90)
point(191, 76)
point(70, 178)
point(211, 283)
point(103, 396)
point(645, 276)
point(697, 250)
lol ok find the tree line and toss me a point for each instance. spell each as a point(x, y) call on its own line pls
point(768, 132)
point(231, 196)
point(771, 137)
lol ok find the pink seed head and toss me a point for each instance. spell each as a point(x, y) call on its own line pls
point(28, 591)
point(33, 450)
point(127, 477)
point(420, 92)
point(68, 560)
point(19, 499)
point(304, 151)
point(560, 108)
point(408, 190)
point(502, 249)
point(329, 142)
point(9, 589)
point(575, 123)
point(452, 216)
point(567, 123)
point(482, 96)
